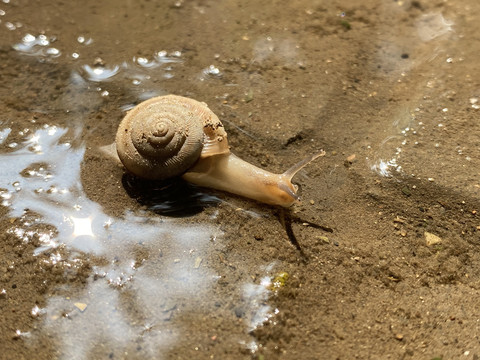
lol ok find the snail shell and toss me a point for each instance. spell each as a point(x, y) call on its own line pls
point(170, 135)
point(164, 136)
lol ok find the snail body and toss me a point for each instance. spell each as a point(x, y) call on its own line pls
point(170, 136)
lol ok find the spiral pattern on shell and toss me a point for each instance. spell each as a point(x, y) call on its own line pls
point(164, 136)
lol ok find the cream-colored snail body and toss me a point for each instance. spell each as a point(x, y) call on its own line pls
point(170, 135)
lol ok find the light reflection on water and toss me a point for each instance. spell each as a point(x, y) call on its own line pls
point(172, 274)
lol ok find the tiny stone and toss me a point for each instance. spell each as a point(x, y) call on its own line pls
point(80, 306)
point(406, 191)
point(399, 337)
point(432, 239)
point(198, 261)
point(351, 158)
point(239, 312)
point(323, 239)
point(98, 62)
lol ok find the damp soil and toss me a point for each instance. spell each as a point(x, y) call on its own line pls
point(386, 88)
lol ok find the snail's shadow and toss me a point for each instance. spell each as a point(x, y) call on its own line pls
point(172, 197)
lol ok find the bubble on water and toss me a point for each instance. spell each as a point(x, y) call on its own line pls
point(29, 38)
point(100, 73)
point(146, 63)
point(52, 51)
point(37, 46)
point(82, 40)
point(10, 26)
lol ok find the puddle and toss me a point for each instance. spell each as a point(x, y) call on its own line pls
point(138, 269)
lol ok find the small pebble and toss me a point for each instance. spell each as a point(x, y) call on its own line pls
point(323, 239)
point(198, 261)
point(80, 306)
point(432, 239)
point(239, 312)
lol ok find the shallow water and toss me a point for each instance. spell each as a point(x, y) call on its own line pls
point(97, 263)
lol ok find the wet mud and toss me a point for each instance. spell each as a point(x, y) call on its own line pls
point(96, 263)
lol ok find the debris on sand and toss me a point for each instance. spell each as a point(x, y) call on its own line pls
point(432, 239)
point(80, 306)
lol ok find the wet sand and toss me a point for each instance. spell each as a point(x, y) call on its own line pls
point(95, 263)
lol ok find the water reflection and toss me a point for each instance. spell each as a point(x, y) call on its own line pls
point(40, 185)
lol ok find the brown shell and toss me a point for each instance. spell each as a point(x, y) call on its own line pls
point(164, 136)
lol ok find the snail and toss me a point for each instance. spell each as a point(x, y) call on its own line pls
point(168, 136)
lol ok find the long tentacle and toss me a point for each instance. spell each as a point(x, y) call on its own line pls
point(290, 173)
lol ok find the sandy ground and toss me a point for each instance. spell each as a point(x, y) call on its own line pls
point(389, 89)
